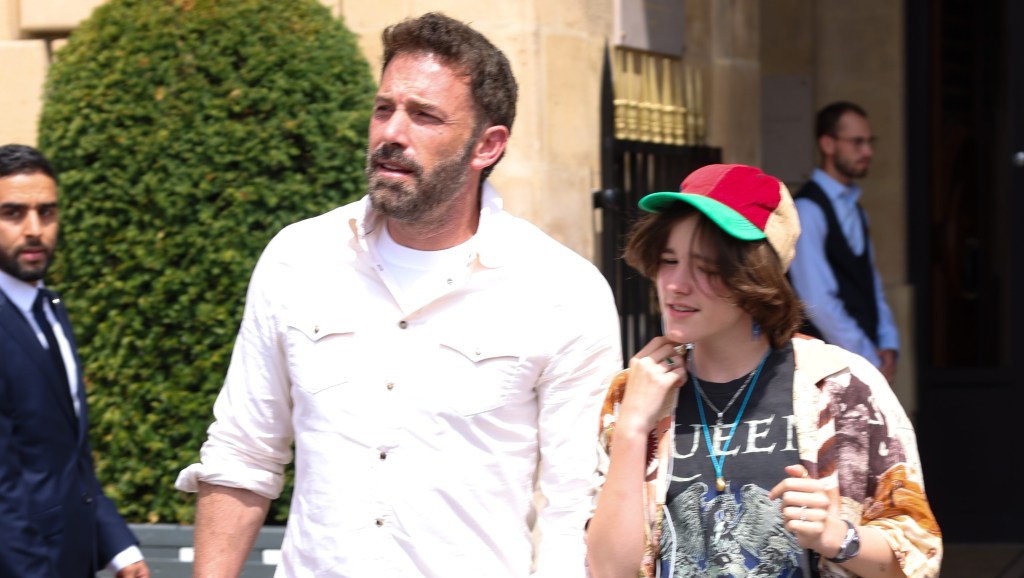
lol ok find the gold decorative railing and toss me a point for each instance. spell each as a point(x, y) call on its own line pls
point(657, 99)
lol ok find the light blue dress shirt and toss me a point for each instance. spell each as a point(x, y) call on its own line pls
point(815, 282)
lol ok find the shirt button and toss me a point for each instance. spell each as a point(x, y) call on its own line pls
point(380, 522)
point(391, 386)
point(383, 455)
point(403, 324)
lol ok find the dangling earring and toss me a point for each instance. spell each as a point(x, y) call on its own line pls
point(756, 333)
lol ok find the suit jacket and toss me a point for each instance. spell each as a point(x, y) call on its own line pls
point(55, 521)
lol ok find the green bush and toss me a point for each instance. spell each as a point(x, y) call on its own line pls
point(186, 133)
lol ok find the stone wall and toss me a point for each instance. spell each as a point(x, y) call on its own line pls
point(22, 74)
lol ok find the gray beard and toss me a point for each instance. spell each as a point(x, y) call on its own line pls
point(428, 197)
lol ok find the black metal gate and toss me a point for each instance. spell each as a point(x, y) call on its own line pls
point(629, 170)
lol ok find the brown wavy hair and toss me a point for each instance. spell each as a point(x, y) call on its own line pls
point(750, 271)
point(491, 82)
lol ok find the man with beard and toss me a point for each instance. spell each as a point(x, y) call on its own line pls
point(834, 271)
point(55, 521)
point(436, 363)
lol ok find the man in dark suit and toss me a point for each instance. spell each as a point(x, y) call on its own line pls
point(55, 521)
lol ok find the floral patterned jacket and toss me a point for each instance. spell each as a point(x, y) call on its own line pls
point(852, 432)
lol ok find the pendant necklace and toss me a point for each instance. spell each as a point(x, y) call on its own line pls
point(735, 396)
point(719, 461)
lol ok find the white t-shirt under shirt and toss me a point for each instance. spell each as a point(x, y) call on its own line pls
point(422, 276)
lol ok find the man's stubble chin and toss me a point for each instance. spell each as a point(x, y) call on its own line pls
point(427, 199)
point(392, 199)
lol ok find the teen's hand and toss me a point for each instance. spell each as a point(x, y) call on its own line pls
point(656, 373)
point(809, 513)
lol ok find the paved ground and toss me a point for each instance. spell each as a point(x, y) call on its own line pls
point(163, 548)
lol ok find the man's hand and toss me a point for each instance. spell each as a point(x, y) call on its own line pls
point(136, 570)
point(888, 367)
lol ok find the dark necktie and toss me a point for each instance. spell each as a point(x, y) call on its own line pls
point(51, 339)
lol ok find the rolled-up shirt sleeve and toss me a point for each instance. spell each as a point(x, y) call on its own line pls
point(249, 443)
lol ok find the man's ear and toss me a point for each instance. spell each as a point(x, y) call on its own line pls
point(827, 145)
point(489, 146)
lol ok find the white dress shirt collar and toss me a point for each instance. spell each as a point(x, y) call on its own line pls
point(21, 293)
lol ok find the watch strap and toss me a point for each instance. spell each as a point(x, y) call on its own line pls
point(850, 546)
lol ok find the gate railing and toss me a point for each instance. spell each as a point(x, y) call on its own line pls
point(631, 169)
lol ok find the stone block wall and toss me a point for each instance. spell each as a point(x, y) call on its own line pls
point(57, 17)
point(25, 49)
point(22, 75)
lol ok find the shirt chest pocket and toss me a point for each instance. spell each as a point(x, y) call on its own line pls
point(321, 354)
point(480, 375)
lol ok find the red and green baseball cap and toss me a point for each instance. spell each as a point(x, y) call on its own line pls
point(744, 201)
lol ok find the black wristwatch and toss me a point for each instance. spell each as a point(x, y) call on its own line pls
point(850, 547)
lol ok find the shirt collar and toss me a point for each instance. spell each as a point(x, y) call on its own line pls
point(835, 190)
point(490, 242)
point(21, 293)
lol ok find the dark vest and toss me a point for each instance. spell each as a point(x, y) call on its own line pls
point(854, 273)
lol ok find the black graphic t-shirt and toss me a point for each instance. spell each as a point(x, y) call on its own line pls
point(737, 532)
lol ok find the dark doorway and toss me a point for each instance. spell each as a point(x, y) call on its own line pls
point(965, 111)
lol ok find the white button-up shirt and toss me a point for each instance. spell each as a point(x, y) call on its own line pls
point(420, 435)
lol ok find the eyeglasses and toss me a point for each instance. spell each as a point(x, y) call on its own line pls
point(858, 141)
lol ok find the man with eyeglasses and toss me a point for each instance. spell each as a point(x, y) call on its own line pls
point(834, 271)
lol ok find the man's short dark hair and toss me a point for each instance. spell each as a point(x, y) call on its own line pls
point(491, 83)
point(19, 159)
point(828, 117)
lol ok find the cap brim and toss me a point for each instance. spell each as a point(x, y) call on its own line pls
point(724, 216)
